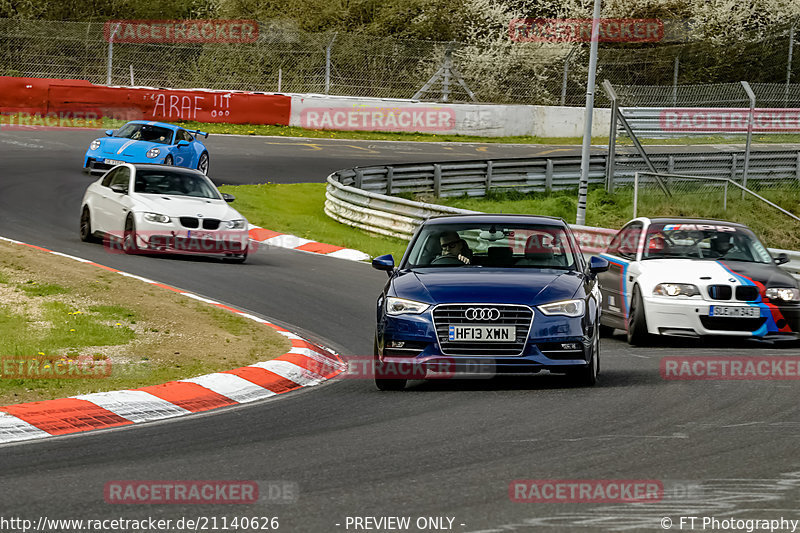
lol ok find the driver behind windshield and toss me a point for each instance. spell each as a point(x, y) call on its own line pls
point(454, 247)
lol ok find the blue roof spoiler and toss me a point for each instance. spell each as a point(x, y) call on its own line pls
point(198, 132)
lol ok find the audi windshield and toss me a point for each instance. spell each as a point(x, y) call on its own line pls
point(492, 245)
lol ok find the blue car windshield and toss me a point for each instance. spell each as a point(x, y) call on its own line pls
point(174, 182)
point(145, 132)
point(492, 245)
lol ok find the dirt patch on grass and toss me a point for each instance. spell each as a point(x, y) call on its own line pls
point(153, 335)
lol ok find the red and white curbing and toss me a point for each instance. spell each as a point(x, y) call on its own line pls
point(284, 240)
point(305, 365)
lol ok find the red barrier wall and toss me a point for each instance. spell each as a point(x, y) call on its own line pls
point(42, 96)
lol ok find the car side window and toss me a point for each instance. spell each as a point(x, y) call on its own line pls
point(184, 135)
point(122, 176)
point(625, 242)
point(107, 180)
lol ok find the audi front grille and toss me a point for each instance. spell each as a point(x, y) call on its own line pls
point(446, 315)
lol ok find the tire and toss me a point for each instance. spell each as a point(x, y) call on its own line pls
point(86, 226)
point(637, 321)
point(587, 376)
point(384, 383)
point(238, 259)
point(203, 163)
point(129, 245)
point(168, 160)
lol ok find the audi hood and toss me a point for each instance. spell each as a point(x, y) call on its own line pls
point(486, 285)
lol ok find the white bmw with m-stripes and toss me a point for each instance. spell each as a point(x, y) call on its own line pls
point(690, 277)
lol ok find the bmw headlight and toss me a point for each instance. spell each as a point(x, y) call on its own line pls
point(94, 145)
point(156, 217)
point(571, 308)
point(676, 289)
point(153, 152)
point(239, 223)
point(783, 293)
point(401, 306)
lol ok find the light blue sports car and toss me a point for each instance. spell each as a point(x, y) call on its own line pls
point(140, 141)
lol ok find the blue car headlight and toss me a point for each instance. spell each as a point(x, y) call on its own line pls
point(401, 306)
point(95, 144)
point(153, 152)
point(570, 308)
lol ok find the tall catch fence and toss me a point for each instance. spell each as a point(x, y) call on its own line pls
point(497, 70)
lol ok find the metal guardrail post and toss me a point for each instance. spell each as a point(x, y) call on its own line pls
point(359, 181)
point(437, 180)
point(389, 178)
point(733, 165)
point(548, 176)
point(670, 164)
point(797, 167)
point(750, 119)
point(612, 136)
point(489, 172)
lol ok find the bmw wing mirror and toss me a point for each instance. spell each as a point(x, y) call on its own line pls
point(109, 132)
point(228, 197)
point(597, 265)
point(384, 262)
point(781, 259)
point(119, 188)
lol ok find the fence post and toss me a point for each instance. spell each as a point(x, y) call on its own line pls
point(280, 78)
point(612, 137)
point(389, 179)
point(111, 53)
point(675, 82)
point(132, 84)
point(734, 158)
point(490, 171)
point(566, 73)
point(671, 164)
point(548, 176)
point(789, 68)
point(797, 167)
point(750, 120)
point(437, 180)
point(328, 64)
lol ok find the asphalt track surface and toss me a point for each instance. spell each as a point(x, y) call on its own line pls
point(445, 448)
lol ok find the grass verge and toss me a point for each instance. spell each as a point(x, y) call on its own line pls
point(56, 313)
point(298, 209)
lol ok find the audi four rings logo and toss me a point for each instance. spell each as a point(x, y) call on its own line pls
point(482, 313)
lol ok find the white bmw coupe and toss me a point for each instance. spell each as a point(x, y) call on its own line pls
point(151, 209)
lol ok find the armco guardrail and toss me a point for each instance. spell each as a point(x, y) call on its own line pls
point(476, 178)
point(347, 202)
point(665, 122)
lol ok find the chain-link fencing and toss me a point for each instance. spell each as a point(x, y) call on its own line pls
point(288, 60)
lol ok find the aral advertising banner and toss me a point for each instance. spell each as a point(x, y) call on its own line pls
point(729, 120)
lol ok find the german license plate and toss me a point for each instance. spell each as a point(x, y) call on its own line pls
point(482, 333)
point(113, 162)
point(729, 311)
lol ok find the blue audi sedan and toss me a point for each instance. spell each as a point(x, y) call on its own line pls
point(488, 294)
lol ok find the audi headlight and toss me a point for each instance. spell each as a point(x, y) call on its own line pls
point(239, 223)
point(156, 217)
point(676, 289)
point(401, 306)
point(783, 293)
point(572, 308)
point(153, 152)
point(94, 145)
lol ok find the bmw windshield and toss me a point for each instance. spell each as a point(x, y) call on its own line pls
point(145, 132)
point(492, 245)
point(174, 182)
point(703, 241)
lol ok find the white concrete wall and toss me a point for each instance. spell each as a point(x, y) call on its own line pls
point(374, 114)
